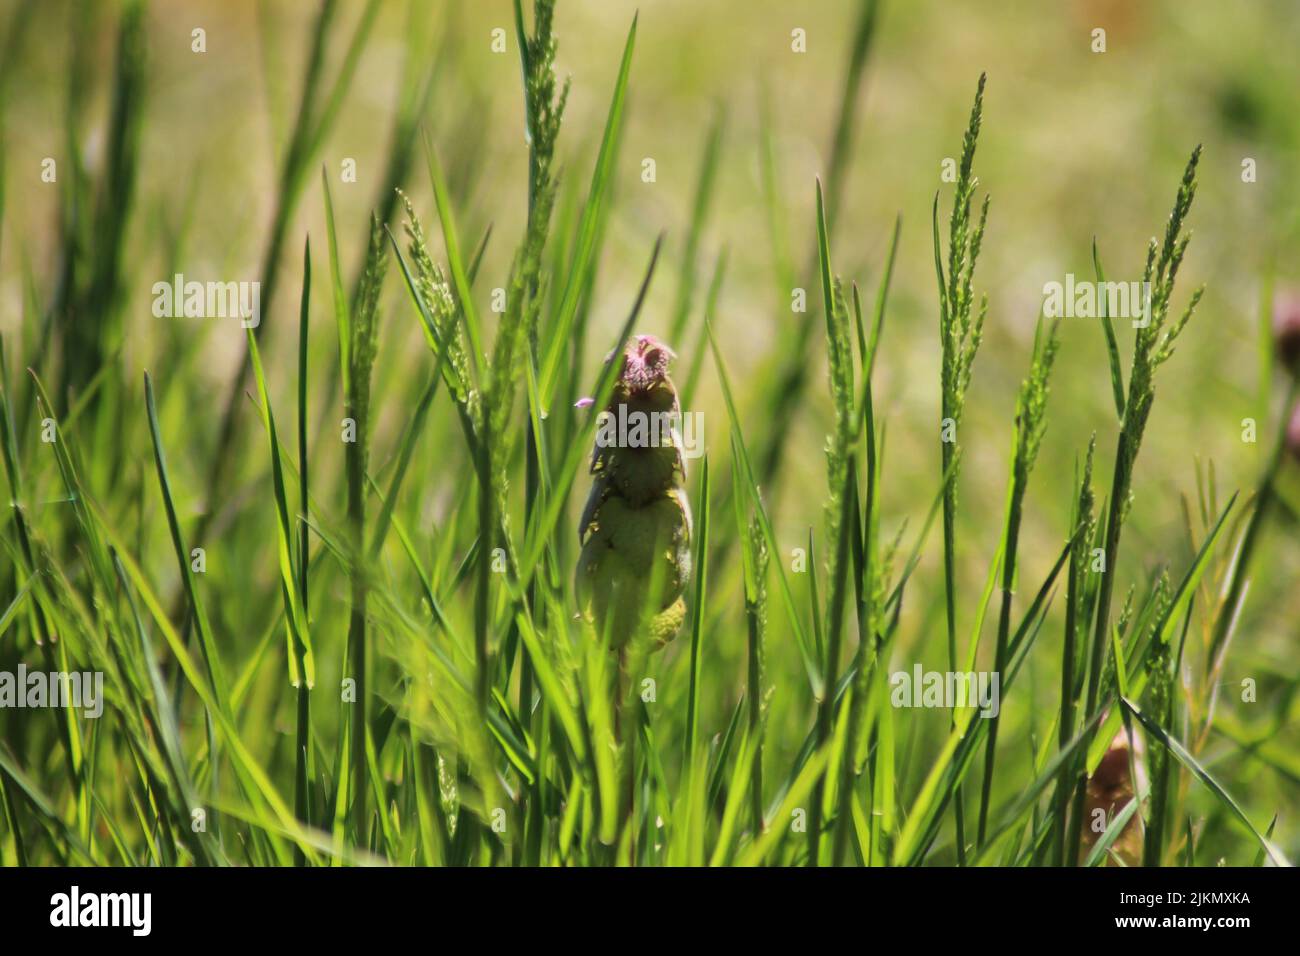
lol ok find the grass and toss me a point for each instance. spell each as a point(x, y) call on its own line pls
point(959, 336)
point(364, 643)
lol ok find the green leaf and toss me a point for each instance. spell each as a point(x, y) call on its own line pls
point(342, 316)
point(1112, 345)
point(792, 611)
point(296, 632)
point(589, 227)
point(1172, 744)
point(697, 614)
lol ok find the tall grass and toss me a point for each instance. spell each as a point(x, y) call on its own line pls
point(960, 330)
point(365, 644)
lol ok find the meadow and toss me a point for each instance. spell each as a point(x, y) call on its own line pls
point(973, 541)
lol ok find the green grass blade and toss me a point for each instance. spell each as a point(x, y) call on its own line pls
point(1112, 345)
point(1184, 757)
point(592, 214)
point(697, 616)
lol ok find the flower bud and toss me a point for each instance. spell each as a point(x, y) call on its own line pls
point(1293, 433)
point(636, 527)
point(1286, 329)
point(1110, 788)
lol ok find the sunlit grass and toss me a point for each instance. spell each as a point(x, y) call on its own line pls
point(343, 642)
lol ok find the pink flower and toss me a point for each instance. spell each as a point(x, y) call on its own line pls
point(1293, 433)
point(645, 363)
point(1286, 329)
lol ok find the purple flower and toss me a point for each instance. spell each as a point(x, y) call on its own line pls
point(1286, 328)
